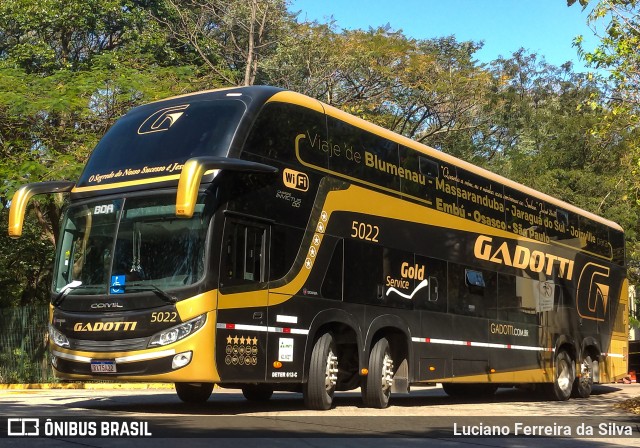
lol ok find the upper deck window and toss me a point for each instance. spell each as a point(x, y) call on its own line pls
point(157, 139)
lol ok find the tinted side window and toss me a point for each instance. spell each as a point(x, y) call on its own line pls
point(279, 127)
point(434, 296)
point(518, 298)
point(363, 273)
point(243, 258)
point(332, 282)
point(285, 244)
point(356, 153)
point(472, 291)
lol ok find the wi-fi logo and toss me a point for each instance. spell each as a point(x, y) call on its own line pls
point(162, 119)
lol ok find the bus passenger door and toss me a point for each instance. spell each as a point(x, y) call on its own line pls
point(241, 332)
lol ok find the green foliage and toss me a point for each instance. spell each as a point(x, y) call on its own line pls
point(23, 345)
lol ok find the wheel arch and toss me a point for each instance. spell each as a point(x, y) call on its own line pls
point(591, 347)
point(398, 333)
point(343, 327)
point(568, 344)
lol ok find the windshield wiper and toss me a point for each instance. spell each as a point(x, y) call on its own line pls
point(66, 290)
point(149, 287)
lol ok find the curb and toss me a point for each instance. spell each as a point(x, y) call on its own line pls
point(87, 386)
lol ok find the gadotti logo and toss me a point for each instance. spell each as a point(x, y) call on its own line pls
point(162, 119)
point(522, 257)
point(593, 292)
point(105, 326)
point(295, 179)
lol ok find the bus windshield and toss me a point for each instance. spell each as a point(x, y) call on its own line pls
point(120, 246)
point(157, 139)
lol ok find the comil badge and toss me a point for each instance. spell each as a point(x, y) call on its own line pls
point(295, 179)
point(162, 119)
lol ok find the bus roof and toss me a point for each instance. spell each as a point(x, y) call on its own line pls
point(273, 94)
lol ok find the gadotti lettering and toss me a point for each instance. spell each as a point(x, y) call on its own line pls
point(522, 258)
point(105, 326)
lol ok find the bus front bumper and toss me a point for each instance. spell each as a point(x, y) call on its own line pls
point(188, 360)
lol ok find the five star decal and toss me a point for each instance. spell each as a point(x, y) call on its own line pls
point(241, 350)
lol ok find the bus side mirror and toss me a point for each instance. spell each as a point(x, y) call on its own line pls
point(21, 199)
point(195, 168)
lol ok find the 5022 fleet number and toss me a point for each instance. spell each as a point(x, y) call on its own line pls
point(364, 231)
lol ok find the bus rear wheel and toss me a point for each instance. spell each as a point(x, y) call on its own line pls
point(194, 393)
point(376, 386)
point(257, 392)
point(584, 383)
point(564, 375)
point(320, 387)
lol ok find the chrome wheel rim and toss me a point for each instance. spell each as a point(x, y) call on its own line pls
point(564, 380)
point(331, 372)
point(387, 373)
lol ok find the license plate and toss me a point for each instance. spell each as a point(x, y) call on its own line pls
point(103, 367)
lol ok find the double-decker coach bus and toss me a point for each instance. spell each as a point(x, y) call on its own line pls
point(259, 239)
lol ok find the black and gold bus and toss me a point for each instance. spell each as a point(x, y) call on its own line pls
point(259, 239)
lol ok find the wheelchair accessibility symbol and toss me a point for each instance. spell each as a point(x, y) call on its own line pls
point(117, 284)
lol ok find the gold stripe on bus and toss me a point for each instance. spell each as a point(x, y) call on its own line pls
point(359, 200)
point(304, 101)
point(196, 305)
point(508, 234)
point(249, 299)
point(131, 183)
point(298, 99)
point(516, 376)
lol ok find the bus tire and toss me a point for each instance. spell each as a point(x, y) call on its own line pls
point(320, 387)
point(257, 392)
point(583, 384)
point(564, 374)
point(194, 393)
point(376, 386)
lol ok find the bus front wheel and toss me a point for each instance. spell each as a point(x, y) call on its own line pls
point(194, 393)
point(319, 389)
point(376, 386)
point(564, 375)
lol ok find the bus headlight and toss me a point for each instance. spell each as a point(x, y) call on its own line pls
point(57, 338)
point(173, 334)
